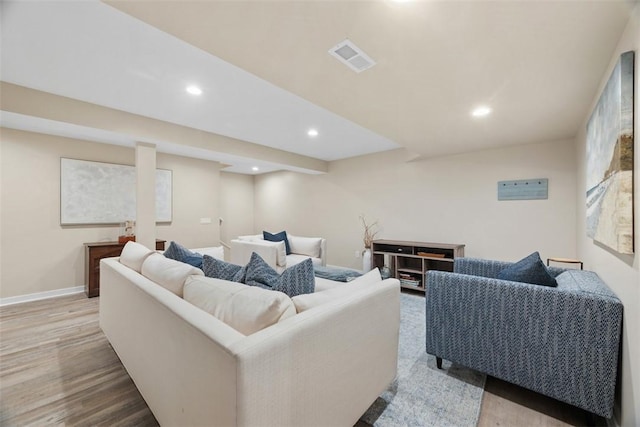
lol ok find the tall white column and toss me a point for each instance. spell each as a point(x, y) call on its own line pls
point(146, 194)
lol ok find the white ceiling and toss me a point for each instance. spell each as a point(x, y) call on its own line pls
point(536, 63)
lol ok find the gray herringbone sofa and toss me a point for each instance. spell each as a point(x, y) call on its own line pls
point(562, 342)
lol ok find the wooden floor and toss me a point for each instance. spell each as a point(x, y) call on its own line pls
point(57, 368)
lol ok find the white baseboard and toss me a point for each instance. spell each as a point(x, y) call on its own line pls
point(41, 295)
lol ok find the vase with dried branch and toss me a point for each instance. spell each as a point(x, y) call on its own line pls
point(370, 231)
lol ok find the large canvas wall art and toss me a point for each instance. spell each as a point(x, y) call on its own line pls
point(610, 161)
point(105, 193)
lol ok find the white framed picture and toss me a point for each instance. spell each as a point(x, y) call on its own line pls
point(610, 161)
point(105, 193)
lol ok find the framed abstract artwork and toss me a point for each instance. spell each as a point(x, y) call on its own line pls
point(105, 193)
point(610, 161)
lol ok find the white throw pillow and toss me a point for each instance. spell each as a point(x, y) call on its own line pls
point(168, 273)
point(246, 309)
point(133, 255)
point(308, 301)
point(309, 246)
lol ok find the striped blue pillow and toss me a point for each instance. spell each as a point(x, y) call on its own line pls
point(182, 254)
point(219, 269)
point(295, 280)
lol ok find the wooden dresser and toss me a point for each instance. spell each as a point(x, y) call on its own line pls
point(93, 253)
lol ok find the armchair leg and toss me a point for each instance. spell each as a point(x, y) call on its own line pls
point(439, 362)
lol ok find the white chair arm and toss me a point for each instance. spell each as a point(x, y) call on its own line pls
point(323, 251)
point(241, 251)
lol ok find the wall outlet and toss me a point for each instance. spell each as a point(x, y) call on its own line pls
point(357, 254)
point(205, 220)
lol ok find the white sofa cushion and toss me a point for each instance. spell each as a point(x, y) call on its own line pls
point(213, 251)
point(308, 301)
point(246, 309)
point(251, 237)
point(168, 273)
point(294, 259)
point(309, 246)
point(133, 255)
point(324, 284)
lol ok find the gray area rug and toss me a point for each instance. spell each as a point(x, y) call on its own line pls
point(422, 394)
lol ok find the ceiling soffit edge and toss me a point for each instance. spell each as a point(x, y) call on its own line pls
point(32, 102)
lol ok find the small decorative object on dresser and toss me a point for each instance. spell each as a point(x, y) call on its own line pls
point(129, 234)
point(410, 261)
point(93, 253)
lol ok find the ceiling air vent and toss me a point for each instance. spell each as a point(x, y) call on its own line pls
point(351, 55)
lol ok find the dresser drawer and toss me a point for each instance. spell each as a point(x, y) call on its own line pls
point(394, 249)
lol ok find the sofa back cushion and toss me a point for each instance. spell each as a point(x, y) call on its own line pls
point(133, 255)
point(168, 273)
point(309, 246)
point(308, 301)
point(213, 251)
point(246, 309)
point(251, 237)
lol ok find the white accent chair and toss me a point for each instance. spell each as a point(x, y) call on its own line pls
point(274, 253)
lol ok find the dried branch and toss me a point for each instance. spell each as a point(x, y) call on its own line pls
point(370, 231)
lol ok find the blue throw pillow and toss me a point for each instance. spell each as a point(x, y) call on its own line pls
point(182, 254)
point(260, 274)
point(295, 280)
point(298, 279)
point(530, 269)
point(278, 237)
point(219, 269)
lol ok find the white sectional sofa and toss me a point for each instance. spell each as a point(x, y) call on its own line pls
point(274, 253)
point(323, 362)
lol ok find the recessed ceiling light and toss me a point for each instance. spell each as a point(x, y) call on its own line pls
point(481, 111)
point(194, 90)
point(312, 132)
point(255, 169)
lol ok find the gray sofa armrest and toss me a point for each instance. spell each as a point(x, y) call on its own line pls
point(562, 342)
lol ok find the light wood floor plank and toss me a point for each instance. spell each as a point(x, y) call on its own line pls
point(57, 368)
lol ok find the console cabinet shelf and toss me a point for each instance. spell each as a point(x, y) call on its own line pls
point(410, 261)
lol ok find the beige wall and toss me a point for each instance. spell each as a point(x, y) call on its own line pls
point(236, 205)
point(196, 195)
point(448, 199)
point(620, 272)
point(38, 254)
